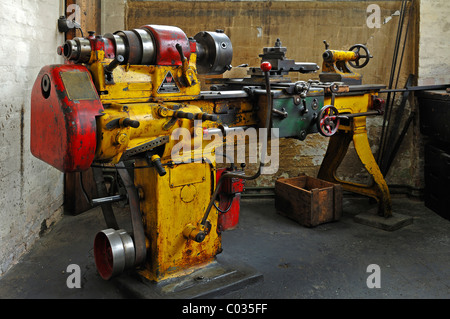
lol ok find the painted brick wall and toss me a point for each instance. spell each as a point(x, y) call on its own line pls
point(31, 192)
point(434, 66)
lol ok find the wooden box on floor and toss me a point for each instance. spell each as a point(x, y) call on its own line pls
point(307, 200)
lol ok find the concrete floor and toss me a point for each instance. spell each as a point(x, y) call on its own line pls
point(326, 262)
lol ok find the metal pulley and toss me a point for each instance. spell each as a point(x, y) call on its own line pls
point(114, 252)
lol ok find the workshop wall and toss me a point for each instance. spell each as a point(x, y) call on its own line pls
point(302, 26)
point(113, 15)
point(433, 45)
point(31, 191)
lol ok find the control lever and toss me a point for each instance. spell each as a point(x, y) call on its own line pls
point(114, 63)
point(155, 160)
point(127, 122)
point(187, 75)
point(183, 115)
point(110, 68)
point(200, 230)
point(206, 117)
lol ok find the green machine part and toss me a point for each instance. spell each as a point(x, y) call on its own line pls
point(295, 116)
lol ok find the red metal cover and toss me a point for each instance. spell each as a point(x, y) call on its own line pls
point(64, 106)
point(229, 202)
point(166, 37)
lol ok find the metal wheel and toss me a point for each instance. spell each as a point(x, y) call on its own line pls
point(366, 56)
point(113, 252)
point(328, 121)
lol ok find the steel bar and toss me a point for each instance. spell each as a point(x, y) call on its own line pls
point(107, 199)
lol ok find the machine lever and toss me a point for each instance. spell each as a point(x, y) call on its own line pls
point(265, 68)
point(183, 115)
point(127, 122)
point(114, 63)
point(180, 51)
point(282, 114)
point(206, 117)
point(155, 160)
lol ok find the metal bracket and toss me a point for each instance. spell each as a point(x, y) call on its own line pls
point(145, 147)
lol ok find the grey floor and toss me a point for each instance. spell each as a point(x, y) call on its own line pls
point(326, 262)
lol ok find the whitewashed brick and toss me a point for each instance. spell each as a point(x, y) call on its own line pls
point(31, 190)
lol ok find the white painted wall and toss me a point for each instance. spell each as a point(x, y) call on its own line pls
point(434, 42)
point(31, 191)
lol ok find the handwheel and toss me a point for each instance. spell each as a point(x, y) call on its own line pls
point(328, 121)
point(366, 56)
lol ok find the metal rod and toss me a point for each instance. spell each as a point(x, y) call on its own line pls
point(262, 156)
point(349, 116)
point(391, 80)
point(107, 199)
point(398, 142)
point(418, 88)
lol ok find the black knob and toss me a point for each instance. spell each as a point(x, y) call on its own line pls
point(159, 168)
point(129, 122)
point(184, 115)
point(209, 117)
point(200, 237)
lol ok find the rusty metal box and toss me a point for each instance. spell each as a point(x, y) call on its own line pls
point(307, 200)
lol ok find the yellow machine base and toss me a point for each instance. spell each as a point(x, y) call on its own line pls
point(222, 276)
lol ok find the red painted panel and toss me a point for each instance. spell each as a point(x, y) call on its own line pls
point(166, 37)
point(63, 121)
point(229, 200)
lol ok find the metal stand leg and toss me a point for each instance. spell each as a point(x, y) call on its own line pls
point(337, 148)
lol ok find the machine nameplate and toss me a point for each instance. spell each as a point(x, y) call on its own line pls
point(78, 86)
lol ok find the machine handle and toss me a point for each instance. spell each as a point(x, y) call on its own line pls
point(265, 67)
point(114, 63)
point(180, 51)
point(183, 115)
point(127, 122)
point(366, 56)
point(328, 121)
point(207, 117)
point(156, 161)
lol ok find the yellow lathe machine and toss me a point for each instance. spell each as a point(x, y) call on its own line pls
point(121, 99)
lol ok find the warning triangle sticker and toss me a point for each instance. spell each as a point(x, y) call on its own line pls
point(168, 85)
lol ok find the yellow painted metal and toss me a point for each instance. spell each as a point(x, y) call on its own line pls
point(141, 83)
point(338, 64)
point(341, 56)
point(172, 204)
point(337, 148)
point(114, 140)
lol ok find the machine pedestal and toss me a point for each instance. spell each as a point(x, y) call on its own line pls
point(222, 276)
point(373, 219)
